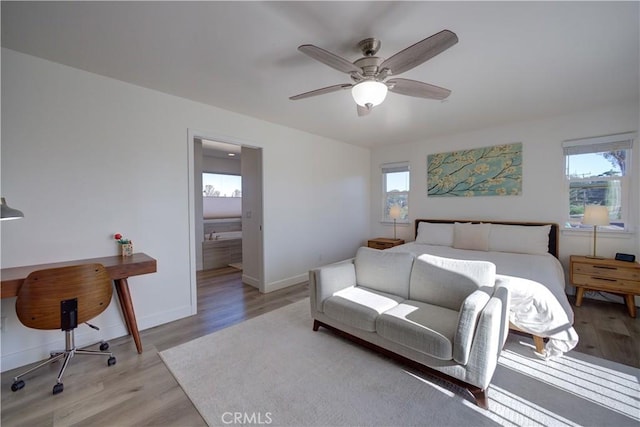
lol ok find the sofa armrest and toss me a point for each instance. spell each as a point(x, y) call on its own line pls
point(329, 279)
point(488, 339)
point(467, 322)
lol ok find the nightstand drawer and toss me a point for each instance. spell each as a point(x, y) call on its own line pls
point(606, 271)
point(606, 283)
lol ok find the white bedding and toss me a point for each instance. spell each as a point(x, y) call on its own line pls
point(539, 304)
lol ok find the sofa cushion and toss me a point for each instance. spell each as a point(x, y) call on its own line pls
point(447, 282)
point(427, 328)
point(359, 307)
point(384, 271)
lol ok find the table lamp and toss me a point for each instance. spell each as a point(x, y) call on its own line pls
point(395, 212)
point(7, 212)
point(595, 215)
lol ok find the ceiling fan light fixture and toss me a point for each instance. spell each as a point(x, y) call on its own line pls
point(369, 92)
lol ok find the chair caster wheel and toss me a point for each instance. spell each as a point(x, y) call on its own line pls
point(104, 346)
point(58, 388)
point(17, 385)
point(111, 361)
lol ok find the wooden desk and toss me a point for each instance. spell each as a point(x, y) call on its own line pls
point(120, 269)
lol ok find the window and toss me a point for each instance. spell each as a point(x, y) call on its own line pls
point(395, 190)
point(598, 172)
point(221, 185)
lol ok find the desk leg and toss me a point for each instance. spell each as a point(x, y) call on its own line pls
point(631, 304)
point(122, 288)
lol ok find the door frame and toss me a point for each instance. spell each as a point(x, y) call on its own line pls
point(192, 135)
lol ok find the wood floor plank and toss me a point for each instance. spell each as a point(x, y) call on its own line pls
point(140, 391)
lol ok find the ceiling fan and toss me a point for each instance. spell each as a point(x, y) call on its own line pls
point(368, 73)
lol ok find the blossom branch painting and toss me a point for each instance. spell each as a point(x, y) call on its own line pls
point(487, 171)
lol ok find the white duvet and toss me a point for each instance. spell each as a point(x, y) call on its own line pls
point(539, 304)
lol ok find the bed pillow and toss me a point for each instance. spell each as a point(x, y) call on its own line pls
point(471, 236)
point(430, 233)
point(522, 239)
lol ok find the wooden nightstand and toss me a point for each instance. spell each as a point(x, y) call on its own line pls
point(384, 243)
point(618, 277)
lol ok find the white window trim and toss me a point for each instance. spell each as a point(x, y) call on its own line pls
point(611, 142)
point(389, 168)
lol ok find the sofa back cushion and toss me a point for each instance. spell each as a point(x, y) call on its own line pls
point(448, 282)
point(384, 271)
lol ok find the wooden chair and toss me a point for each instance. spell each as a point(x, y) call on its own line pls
point(60, 298)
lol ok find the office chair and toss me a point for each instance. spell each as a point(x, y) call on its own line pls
point(60, 298)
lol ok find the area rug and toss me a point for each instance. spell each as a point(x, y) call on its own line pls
point(274, 370)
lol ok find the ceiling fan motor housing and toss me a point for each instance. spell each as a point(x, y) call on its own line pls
point(369, 65)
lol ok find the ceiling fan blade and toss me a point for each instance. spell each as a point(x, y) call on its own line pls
point(417, 89)
point(330, 59)
point(420, 52)
point(363, 111)
point(322, 91)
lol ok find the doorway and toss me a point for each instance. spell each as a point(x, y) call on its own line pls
point(203, 149)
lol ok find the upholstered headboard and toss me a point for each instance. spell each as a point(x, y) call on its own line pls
point(553, 232)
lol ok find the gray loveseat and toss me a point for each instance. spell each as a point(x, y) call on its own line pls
point(442, 314)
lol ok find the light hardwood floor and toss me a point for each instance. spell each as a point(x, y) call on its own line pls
point(140, 391)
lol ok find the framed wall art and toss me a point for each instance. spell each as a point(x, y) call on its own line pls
point(487, 171)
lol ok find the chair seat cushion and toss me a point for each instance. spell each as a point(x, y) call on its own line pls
point(427, 328)
point(359, 307)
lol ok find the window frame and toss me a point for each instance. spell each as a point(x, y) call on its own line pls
point(225, 174)
point(614, 142)
point(385, 169)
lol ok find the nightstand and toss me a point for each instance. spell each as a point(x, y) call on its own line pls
point(609, 275)
point(384, 243)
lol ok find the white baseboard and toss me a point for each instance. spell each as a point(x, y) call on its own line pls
point(165, 317)
point(285, 283)
point(251, 281)
point(84, 336)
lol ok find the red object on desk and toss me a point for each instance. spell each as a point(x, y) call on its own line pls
point(119, 268)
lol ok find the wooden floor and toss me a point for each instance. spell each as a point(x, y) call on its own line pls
point(140, 391)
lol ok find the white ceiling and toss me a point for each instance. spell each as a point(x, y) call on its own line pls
point(515, 61)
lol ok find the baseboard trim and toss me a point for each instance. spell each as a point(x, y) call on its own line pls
point(85, 336)
point(285, 283)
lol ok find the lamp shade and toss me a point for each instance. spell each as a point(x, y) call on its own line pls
point(395, 212)
point(596, 215)
point(369, 92)
point(7, 212)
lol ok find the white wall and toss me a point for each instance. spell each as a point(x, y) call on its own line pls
point(542, 196)
point(84, 156)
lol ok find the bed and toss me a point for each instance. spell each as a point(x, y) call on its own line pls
point(526, 259)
